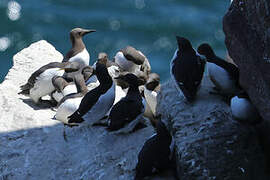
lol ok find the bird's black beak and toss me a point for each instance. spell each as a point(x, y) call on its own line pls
point(87, 31)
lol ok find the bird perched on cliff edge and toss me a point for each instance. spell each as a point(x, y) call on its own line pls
point(155, 153)
point(151, 89)
point(224, 75)
point(40, 82)
point(97, 102)
point(78, 52)
point(64, 88)
point(133, 61)
point(187, 68)
point(129, 109)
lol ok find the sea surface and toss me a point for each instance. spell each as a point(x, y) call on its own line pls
point(148, 25)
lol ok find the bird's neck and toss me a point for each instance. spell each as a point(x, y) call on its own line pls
point(78, 43)
point(133, 90)
point(220, 62)
point(106, 85)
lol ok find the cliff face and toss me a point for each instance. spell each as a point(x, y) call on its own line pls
point(247, 29)
point(209, 144)
point(32, 144)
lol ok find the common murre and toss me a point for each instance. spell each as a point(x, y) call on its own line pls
point(187, 69)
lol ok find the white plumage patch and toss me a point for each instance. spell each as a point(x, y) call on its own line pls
point(67, 108)
point(102, 106)
point(221, 78)
point(124, 63)
point(43, 85)
point(82, 57)
point(243, 109)
point(119, 94)
point(151, 99)
point(71, 88)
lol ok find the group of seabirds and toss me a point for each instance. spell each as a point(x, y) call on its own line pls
point(118, 93)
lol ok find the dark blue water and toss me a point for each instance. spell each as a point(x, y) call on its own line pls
point(148, 25)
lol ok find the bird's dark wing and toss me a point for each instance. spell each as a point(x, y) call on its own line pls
point(133, 55)
point(69, 54)
point(229, 67)
point(31, 81)
point(124, 111)
point(69, 96)
point(88, 101)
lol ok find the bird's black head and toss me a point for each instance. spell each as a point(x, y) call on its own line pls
point(153, 81)
point(183, 44)
point(206, 50)
point(129, 78)
point(87, 72)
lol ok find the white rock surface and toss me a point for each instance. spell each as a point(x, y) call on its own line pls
point(32, 144)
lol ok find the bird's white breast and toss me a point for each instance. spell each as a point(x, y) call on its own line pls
point(82, 57)
point(43, 85)
point(243, 109)
point(124, 63)
point(71, 88)
point(151, 99)
point(102, 106)
point(119, 94)
point(221, 78)
point(67, 108)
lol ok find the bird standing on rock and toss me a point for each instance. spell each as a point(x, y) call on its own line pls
point(70, 103)
point(97, 102)
point(155, 153)
point(132, 60)
point(128, 110)
point(187, 69)
point(40, 82)
point(64, 88)
point(151, 89)
point(224, 75)
point(78, 52)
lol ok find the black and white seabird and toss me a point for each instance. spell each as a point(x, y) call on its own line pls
point(187, 69)
point(243, 110)
point(97, 102)
point(224, 75)
point(128, 110)
point(132, 60)
point(64, 88)
point(151, 89)
point(70, 102)
point(78, 52)
point(40, 82)
point(155, 153)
